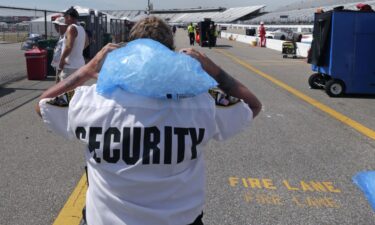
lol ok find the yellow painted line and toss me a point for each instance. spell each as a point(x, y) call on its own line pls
point(290, 61)
point(340, 117)
point(273, 64)
point(71, 213)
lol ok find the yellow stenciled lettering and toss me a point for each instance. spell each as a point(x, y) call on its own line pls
point(330, 187)
point(254, 183)
point(296, 201)
point(263, 199)
point(331, 203)
point(321, 202)
point(305, 187)
point(268, 184)
point(318, 186)
point(233, 181)
point(244, 183)
point(248, 197)
point(276, 200)
point(289, 187)
point(313, 202)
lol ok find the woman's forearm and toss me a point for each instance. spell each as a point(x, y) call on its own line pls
point(233, 87)
point(73, 81)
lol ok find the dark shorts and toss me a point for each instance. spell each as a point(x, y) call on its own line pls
point(198, 220)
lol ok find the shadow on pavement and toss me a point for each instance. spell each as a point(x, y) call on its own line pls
point(298, 57)
point(9, 90)
point(50, 78)
point(362, 96)
point(223, 46)
point(11, 109)
point(358, 96)
point(15, 95)
point(6, 91)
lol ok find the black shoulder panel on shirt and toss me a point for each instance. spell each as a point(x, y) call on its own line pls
point(222, 99)
point(62, 100)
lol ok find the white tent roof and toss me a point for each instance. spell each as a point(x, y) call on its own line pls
point(37, 25)
point(109, 16)
point(86, 11)
point(139, 17)
point(124, 18)
point(81, 11)
point(49, 17)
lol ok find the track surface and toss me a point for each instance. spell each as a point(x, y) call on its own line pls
point(293, 166)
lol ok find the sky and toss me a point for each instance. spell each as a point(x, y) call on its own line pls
point(141, 4)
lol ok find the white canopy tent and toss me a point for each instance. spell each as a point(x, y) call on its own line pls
point(3, 25)
point(138, 18)
point(37, 25)
point(125, 18)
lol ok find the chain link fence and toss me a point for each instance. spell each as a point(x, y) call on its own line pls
point(21, 29)
point(13, 33)
point(16, 27)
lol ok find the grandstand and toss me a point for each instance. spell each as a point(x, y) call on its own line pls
point(305, 4)
point(298, 13)
point(125, 14)
point(221, 15)
point(301, 15)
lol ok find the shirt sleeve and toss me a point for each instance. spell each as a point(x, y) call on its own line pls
point(54, 112)
point(232, 116)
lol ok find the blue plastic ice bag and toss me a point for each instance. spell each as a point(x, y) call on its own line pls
point(147, 67)
point(366, 182)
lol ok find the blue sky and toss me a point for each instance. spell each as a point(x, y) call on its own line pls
point(141, 4)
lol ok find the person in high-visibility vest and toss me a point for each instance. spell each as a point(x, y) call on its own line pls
point(262, 35)
point(191, 33)
point(216, 34)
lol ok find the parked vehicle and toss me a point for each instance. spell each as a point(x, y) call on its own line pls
point(287, 35)
point(251, 31)
point(222, 27)
point(270, 33)
point(307, 38)
point(283, 34)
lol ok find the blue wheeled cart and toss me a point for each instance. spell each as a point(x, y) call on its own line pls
point(343, 53)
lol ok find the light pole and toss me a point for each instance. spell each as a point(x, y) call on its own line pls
point(148, 7)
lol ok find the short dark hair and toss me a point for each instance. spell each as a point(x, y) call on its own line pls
point(71, 12)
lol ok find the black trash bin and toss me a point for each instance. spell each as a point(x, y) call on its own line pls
point(250, 31)
point(107, 38)
point(49, 46)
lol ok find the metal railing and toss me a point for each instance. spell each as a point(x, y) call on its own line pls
point(22, 28)
point(15, 28)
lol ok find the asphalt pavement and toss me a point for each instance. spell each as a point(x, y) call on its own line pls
point(12, 62)
point(293, 166)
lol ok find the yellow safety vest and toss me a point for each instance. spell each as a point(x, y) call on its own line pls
point(190, 29)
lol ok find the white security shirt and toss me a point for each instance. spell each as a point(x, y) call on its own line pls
point(145, 155)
